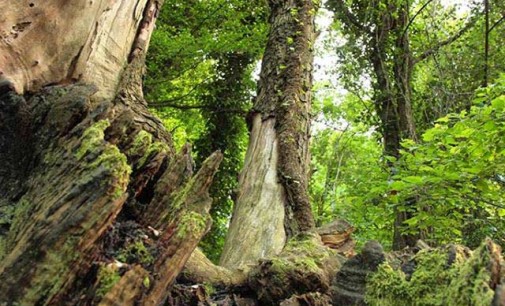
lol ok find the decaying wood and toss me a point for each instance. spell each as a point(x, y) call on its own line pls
point(349, 285)
point(127, 290)
point(305, 265)
point(185, 230)
point(94, 162)
point(311, 299)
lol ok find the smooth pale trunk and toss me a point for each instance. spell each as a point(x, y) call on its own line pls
point(257, 227)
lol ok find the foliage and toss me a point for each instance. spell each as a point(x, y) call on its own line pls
point(348, 168)
point(456, 173)
point(199, 82)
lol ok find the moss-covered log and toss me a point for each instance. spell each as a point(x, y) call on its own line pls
point(83, 176)
point(449, 275)
point(305, 265)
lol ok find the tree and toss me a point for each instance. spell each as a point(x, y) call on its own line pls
point(273, 203)
point(200, 83)
point(379, 38)
point(104, 180)
point(89, 161)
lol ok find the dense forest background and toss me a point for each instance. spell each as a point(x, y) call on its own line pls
point(338, 152)
point(446, 175)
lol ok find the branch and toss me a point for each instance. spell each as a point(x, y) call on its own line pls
point(350, 18)
point(415, 15)
point(496, 24)
point(446, 42)
point(171, 104)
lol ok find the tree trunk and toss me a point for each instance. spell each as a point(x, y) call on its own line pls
point(393, 100)
point(89, 177)
point(273, 202)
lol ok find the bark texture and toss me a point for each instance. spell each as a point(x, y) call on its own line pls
point(281, 129)
point(49, 42)
point(96, 207)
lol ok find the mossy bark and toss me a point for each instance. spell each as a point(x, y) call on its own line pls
point(273, 202)
point(88, 174)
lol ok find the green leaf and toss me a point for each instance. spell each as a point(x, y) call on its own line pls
point(413, 179)
point(499, 103)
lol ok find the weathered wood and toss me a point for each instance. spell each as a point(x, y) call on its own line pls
point(178, 173)
point(73, 195)
point(127, 290)
point(88, 41)
point(92, 154)
point(337, 235)
point(349, 285)
point(199, 269)
point(257, 225)
point(308, 299)
point(190, 220)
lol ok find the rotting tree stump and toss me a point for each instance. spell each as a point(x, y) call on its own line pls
point(91, 167)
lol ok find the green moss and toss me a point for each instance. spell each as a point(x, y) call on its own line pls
point(179, 199)
point(390, 287)
point(136, 252)
point(306, 245)
point(192, 223)
point(21, 211)
point(107, 156)
point(471, 285)
point(209, 289)
point(92, 138)
point(52, 274)
point(116, 162)
point(433, 282)
point(152, 150)
point(108, 276)
point(146, 282)
point(15, 216)
point(144, 146)
point(285, 265)
point(141, 142)
point(301, 253)
point(3, 247)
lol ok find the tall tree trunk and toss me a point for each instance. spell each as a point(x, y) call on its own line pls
point(393, 100)
point(82, 159)
point(273, 202)
point(402, 71)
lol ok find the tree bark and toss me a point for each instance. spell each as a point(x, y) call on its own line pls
point(273, 202)
point(93, 161)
